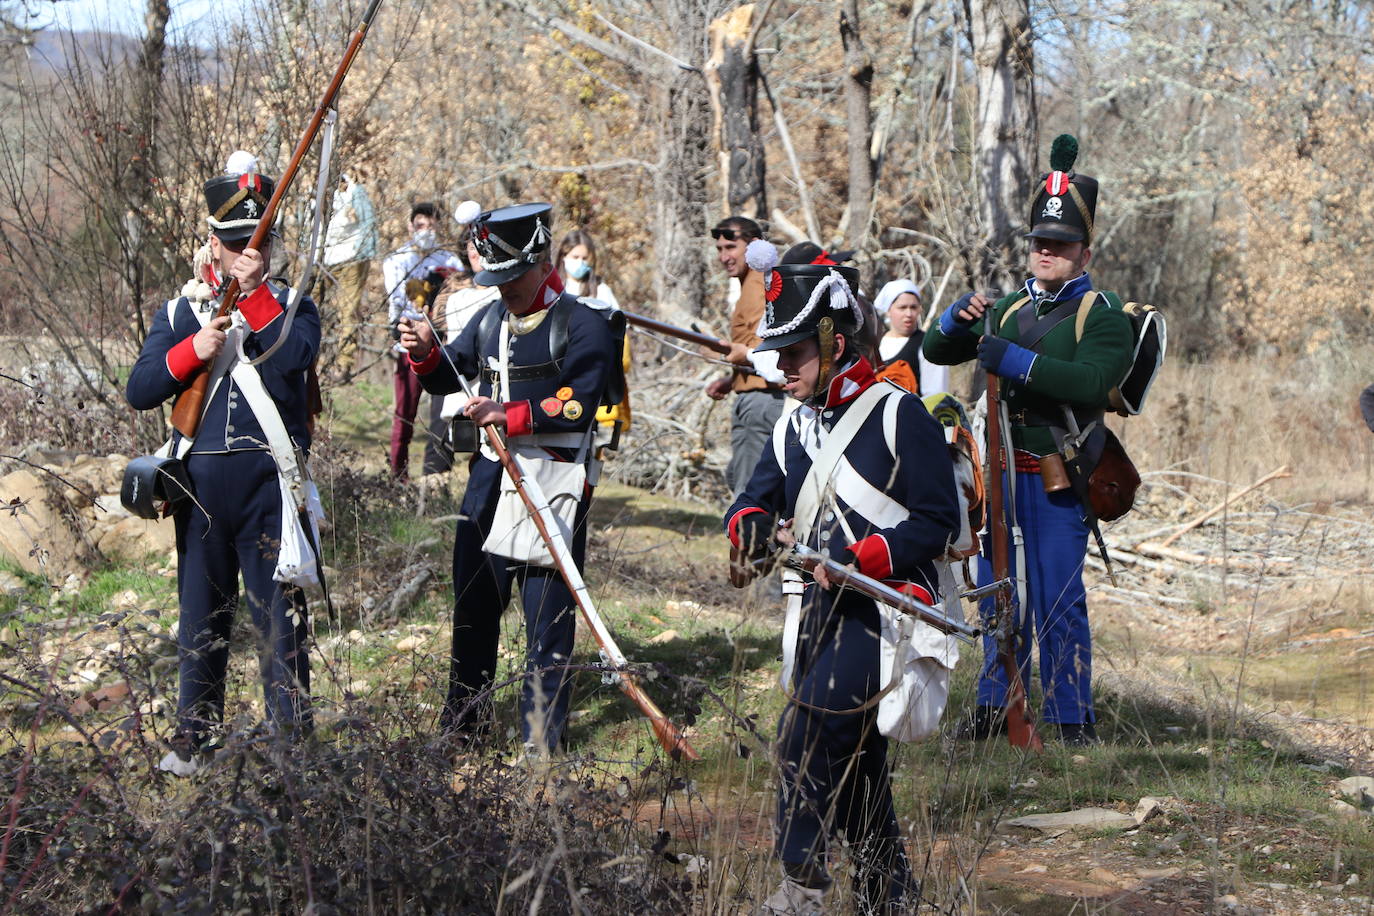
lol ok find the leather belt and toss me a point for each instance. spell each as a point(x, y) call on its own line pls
point(524, 373)
point(1027, 417)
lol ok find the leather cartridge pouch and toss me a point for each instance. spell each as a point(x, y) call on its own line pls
point(463, 435)
point(1053, 474)
point(1113, 483)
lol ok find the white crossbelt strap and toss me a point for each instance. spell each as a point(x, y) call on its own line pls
point(223, 364)
point(816, 489)
point(297, 563)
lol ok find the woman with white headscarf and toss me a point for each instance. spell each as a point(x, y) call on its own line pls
point(899, 302)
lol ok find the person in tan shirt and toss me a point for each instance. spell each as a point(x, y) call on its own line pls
point(757, 388)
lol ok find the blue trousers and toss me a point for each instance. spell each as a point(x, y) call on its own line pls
point(482, 587)
point(1056, 538)
point(835, 775)
point(236, 528)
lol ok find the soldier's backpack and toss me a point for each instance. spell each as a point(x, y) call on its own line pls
point(968, 476)
point(1149, 336)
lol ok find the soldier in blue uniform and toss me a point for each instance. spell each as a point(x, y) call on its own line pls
point(544, 360)
point(234, 522)
point(891, 516)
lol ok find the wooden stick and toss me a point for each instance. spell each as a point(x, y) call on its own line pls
point(1275, 474)
point(1151, 549)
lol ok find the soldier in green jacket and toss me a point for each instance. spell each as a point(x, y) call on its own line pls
point(1063, 365)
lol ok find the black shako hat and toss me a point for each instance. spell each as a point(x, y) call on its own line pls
point(811, 253)
point(511, 240)
point(800, 296)
point(1065, 202)
point(236, 203)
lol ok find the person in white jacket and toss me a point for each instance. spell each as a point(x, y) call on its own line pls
point(350, 246)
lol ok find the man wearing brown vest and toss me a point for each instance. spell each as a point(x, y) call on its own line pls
point(756, 383)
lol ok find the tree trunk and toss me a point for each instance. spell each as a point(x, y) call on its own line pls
point(142, 164)
point(680, 205)
point(732, 76)
point(858, 88)
point(1006, 128)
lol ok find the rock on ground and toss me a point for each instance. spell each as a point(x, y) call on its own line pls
point(68, 522)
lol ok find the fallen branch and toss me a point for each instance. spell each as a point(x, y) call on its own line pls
point(1276, 474)
point(1151, 549)
point(405, 596)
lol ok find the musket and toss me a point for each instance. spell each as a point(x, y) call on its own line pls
point(1021, 730)
point(807, 560)
point(187, 409)
point(532, 495)
point(671, 330)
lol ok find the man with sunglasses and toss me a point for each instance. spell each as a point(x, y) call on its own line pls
point(758, 397)
point(233, 522)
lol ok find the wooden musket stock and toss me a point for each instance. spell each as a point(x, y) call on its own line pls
point(1020, 726)
point(187, 409)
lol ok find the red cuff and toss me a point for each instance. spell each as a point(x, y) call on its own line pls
point(732, 526)
point(912, 589)
point(873, 556)
point(518, 421)
point(426, 365)
point(260, 308)
point(182, 360)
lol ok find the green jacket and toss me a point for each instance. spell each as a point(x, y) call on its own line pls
point(1079, 373)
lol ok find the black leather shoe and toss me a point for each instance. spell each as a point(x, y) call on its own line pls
point(985, 722)
point(1078, 734)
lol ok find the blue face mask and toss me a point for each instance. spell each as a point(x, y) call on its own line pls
point(577, 268)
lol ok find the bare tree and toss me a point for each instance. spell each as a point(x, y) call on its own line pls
point(858, 89)
point(143, 162)
point(732, 75)
point(1005, 128)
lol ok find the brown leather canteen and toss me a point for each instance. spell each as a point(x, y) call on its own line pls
point(1113, 483)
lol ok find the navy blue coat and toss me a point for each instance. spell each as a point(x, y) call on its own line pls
point(227, 423)
point(565, 394)
point(920, 478)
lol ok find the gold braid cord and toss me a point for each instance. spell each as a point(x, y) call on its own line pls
point(236, 199)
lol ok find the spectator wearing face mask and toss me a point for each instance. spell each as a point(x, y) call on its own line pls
point(413, 275)
point(576, 265)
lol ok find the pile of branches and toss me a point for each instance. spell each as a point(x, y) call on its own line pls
point(364, 824)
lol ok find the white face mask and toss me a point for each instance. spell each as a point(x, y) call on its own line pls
point(577, 268)
point(424, 239)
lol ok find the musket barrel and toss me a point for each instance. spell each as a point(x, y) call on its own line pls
point(806, 558)
point(671, 330)
point(187, 408)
